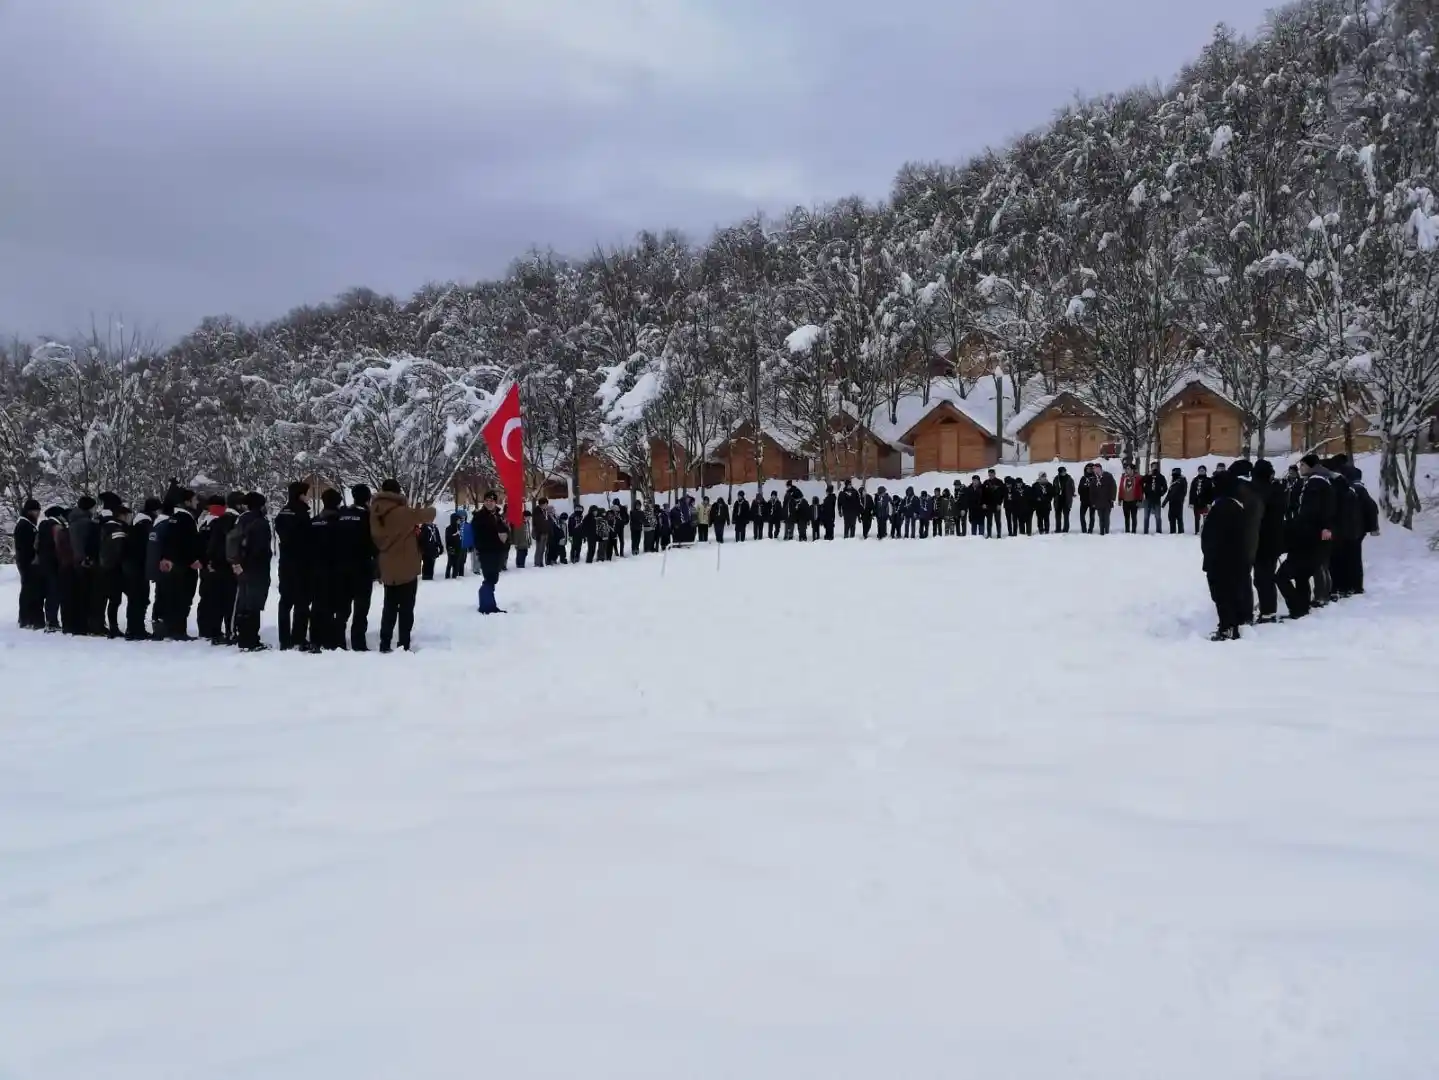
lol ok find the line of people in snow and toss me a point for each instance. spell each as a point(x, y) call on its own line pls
point(79, 567)
point(988, 507)
point(1316, 519)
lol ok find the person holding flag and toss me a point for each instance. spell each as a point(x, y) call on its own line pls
point(504, 435)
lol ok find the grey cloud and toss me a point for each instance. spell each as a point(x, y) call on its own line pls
point(165, 159)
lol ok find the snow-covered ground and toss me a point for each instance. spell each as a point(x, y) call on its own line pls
point(942, 809)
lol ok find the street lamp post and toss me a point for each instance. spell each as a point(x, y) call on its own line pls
point(999, 411)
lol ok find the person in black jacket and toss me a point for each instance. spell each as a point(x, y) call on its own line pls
point(774, 515)
point(249, 547)
point(136, 571)
point(1368, 526)
point(54, 558)
point(827, 513)
point(215, 615)
point(1306, 526)
point(1348, 527)
point(1063, 499)
point(1088, 481)
point(492, 539)
point(1155, 487)
point(991, 500)
point(849, 506)
point(1223, 545)
point(866, 514)
point(1043, 492)
point(356, 571)
point(1323, 577)
point(292, 531)
point(181, 560)
point(114, 535)
point(741, 515)
point(1271, 539)
point(27, 561)
point(719, 518)
point(1253, 502)
point(454, 549)
point(327, 585)
point(432, 546)
point(83, 532)
point(1201, 495)
point(106, 583)
point(1174, 500)
point(1013, 499)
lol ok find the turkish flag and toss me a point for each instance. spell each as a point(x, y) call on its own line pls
point(504, 434)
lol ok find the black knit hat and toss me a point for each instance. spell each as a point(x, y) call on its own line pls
point(1241, 468)
point(110, 501)
point(32, 506)
point(86, 503)
point(152, 506)
point(1312, 460)
point(298, 489)
point(1264, 469)
point(391, 485)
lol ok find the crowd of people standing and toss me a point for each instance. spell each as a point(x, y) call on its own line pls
point(79, 566)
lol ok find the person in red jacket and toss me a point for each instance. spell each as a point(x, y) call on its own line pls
point(1131, 494)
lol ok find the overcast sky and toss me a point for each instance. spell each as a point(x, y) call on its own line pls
point(162, 160)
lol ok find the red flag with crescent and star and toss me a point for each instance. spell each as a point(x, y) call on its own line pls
point(504, 434)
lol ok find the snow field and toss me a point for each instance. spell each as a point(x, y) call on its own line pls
point(945, 808)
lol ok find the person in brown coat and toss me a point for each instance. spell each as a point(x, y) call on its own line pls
point(395, 526)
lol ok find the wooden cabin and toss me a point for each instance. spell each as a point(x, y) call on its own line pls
point(470, 486)
point(1318, 427)
point(853, 451)
point(947, 440)
point(780, 456)
point(1065, 429)
point(599, 474)
point(670, 469)
point(1197, 421)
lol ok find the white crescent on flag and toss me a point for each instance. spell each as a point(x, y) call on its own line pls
point(511, 425)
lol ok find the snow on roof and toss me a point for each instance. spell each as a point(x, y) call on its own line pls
point(1199, 378)
point(785, 437)
point(978, 407)
point(1029, 413)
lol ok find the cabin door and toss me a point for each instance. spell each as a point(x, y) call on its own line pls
point(949, 448)
point(1067, 441)
point(1196, 434)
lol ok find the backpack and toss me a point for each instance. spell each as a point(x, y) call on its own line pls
point(235, 541)
point(112, 546)
point(64, 553)
point(431, 545)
